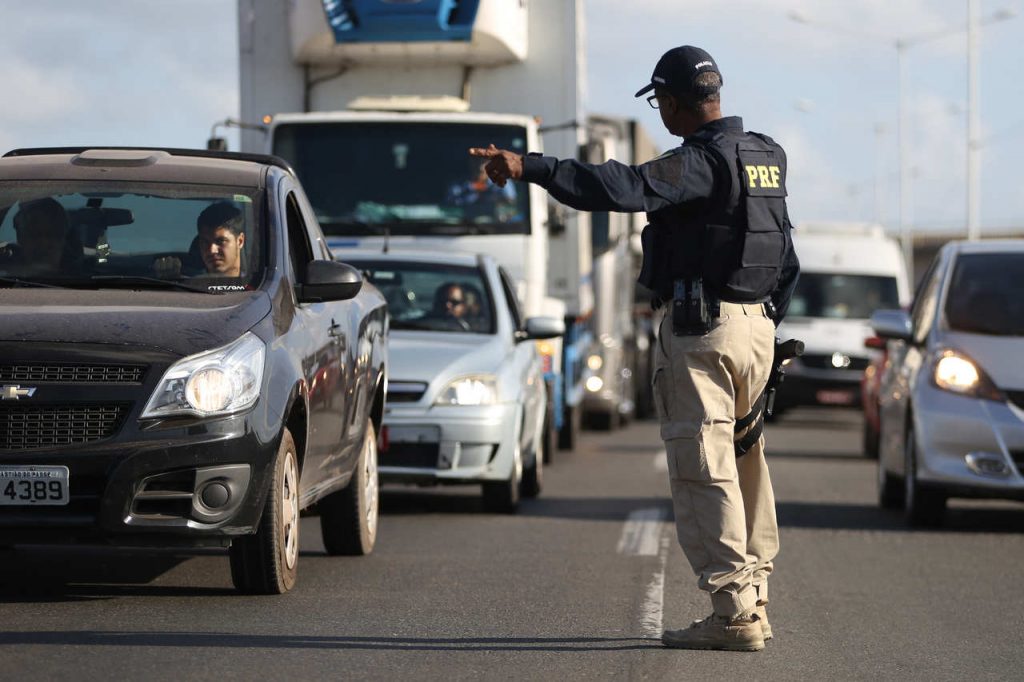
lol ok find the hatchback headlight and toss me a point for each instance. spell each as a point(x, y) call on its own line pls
point(217, 382)
point(955, 372)
point(479, 389)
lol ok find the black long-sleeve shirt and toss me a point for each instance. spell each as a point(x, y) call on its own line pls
point(693, 174)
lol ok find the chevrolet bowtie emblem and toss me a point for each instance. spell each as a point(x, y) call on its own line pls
point(15, 392)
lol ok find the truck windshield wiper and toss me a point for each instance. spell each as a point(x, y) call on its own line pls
point(154, 281)
point(18, 282)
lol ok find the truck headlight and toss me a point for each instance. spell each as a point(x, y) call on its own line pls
point(221, 381)
point(957, 373)
point(595, 362)
point(470, 390)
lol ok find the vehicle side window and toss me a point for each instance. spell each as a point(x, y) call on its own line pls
point(510, 298)
point(316, 236)
point(298, 240)
point(925, 305)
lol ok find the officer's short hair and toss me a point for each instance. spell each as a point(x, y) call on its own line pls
point(706, 91)
point(221, 214)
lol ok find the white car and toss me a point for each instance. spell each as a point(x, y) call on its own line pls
point(952, 398)
point(466, 401)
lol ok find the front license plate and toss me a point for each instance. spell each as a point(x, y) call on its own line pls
point(835, 397)
point(34, 485)
point(414, 434)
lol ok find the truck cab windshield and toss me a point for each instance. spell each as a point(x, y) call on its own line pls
point(364, 178)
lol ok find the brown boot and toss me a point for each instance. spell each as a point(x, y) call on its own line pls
point(762, 615)
point(742, 633)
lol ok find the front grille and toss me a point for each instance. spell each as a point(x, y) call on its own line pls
point(1017, 398)
point(820, 361)
point(420, 455)
point(73, 374)
point(40, 426)
point(405, 391)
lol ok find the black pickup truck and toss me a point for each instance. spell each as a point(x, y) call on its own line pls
point(182, 363)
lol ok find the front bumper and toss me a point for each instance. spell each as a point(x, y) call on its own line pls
point(191, 485)
point(450, 444)
point(968, 447)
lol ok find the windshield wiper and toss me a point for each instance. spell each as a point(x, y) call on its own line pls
point(28, 283)
point(141, 279)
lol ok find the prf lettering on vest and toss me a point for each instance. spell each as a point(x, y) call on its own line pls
point(763, 176)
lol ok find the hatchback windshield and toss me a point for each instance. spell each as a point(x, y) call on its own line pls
point(363, 178)
point(841, 296)
point(986, 294)
point(432, 297)
point(202, 238)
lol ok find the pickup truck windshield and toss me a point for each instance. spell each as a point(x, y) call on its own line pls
point(842, 296)
point(151, 236)
point(986, 294)
point(404, 178)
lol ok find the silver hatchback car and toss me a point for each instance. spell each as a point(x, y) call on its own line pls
point(952, 400)
point(466, 402)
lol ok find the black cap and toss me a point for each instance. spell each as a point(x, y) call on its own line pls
point(677, 70)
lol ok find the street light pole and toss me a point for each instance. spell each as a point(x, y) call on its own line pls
point(973, 122)
point(902, 153)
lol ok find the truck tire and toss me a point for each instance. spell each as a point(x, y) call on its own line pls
point(267, 562)
point(348, 517)
point(569, 434)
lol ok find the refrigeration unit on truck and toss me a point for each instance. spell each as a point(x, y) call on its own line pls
point(375, 104)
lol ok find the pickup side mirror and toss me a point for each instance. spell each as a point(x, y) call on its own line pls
point(543, 328)
point(328, 280)
point(892, 324)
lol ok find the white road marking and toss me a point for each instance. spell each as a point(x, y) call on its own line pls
point(652, 611)
point(661, 462)
point(642, 531)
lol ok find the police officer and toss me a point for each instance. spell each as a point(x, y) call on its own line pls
point(718, 252)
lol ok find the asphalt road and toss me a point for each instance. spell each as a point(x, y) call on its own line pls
point(576, 586)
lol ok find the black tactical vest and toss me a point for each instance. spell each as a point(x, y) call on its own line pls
point(734, 242)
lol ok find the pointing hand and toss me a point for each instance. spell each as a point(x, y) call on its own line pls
point(502, 166)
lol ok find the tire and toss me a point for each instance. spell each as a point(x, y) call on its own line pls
point(502, 497)
point(870, 441)
point(348, 517)
point(267, 562)
point(569, 434)
point(549, 438)
point(533, 478)
point(890, 489)
point(922, 506)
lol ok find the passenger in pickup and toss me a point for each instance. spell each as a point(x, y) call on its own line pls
point(44, 245)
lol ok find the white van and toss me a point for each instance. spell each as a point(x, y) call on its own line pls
point(847, 271)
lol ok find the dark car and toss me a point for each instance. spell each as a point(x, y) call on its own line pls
point(182, 363)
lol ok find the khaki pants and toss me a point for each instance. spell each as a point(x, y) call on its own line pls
point(724, 506)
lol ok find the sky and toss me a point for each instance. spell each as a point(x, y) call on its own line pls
point(162, 72)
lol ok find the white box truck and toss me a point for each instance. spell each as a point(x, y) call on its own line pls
point(373, 103)
point(847, 271)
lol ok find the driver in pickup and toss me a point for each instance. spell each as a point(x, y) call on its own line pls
point(218, 245)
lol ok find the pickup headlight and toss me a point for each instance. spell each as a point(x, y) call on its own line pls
point(217, 382)
point(470, 390)
point(957, 373)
